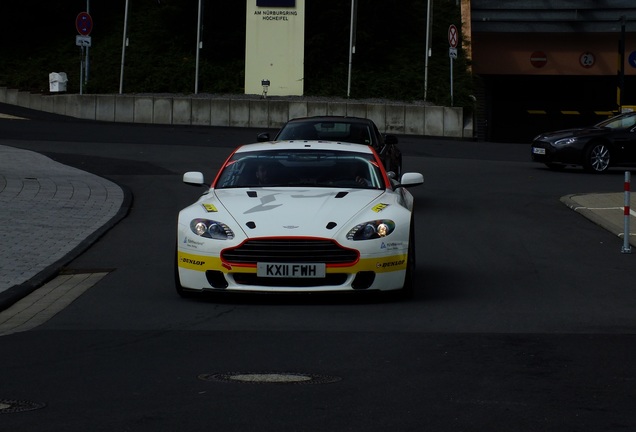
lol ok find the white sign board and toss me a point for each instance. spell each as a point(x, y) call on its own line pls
point(82, 41)
point(275, 47)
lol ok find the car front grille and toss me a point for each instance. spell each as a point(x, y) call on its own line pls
point(289, 251)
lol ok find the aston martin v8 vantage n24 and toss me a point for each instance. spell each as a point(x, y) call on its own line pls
point(308, 216)
point(597, 148)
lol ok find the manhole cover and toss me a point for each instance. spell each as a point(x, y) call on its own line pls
point(270, 378)
point(13, 406)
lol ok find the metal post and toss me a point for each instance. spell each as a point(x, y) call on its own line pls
point(352, 47)
point(87, 66)
point(123, 51)
point(451, 80)
point(81, 70)
point(626, 232)
point(428, 46)
point(196, 74)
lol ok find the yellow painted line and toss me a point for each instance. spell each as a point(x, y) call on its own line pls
point(537, 112)
point(570, 112)
point(607, 113)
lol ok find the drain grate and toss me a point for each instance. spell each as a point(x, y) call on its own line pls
point(8, 406)
point(270, 378)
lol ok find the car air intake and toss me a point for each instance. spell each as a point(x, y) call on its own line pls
point(216, 279)
point(290, 251)
point(363, 280)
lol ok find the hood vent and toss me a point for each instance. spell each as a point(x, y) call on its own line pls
point(331, 225)
point(341, 194)
point(251, 194)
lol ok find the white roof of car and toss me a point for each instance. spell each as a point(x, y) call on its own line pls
point(304, 144)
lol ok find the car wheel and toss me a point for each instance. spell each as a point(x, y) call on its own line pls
point(597, 158)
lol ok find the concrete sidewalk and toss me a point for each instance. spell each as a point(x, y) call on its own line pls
point(49, 214)
point(606, 210)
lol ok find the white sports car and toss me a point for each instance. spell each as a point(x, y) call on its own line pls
point(298, 216)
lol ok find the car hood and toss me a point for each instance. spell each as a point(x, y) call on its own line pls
point(576, 133)
point(298, 212)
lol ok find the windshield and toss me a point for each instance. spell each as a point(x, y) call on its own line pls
point(306, 168)
point(623, 121)
point(358, 133)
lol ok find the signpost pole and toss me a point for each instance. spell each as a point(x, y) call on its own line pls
point(453, 39)
point(196, 73)
point(81, 82)
point(451, 80)
point(123, 51)
point(87, 67)
point(429, 19)
point(352, 42)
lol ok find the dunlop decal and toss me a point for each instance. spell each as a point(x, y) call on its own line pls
point(198, 262)
point(210, 208)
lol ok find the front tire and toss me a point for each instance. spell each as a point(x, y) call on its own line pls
point(597, 158)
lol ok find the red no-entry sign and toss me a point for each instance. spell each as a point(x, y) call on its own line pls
point(538, 59)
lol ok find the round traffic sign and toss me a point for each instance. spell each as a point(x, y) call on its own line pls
point(587, 60)
point(453, 36)
point(538, 59)
point(84, 23)
point(632, 59)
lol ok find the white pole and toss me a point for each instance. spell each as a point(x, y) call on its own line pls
point(196, 75)
point(352, 48)
point(123, 51)
point(428, 47)
point(451, 80)
point(87, 66)
point(626, 232)
point(81, 70)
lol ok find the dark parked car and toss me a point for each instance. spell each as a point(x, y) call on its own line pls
point(342, 129)
point(609, 143)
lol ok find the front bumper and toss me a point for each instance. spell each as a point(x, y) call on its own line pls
point(545, 152)
point(206, 273)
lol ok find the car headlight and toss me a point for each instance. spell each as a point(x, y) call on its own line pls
point(371, 230)
point(565, 141)
point(211, 229)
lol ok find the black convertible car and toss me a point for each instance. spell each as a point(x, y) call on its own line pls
point(343, 129)
point(609, 143)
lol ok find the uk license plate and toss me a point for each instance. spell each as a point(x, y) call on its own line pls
point(283, 270)
point(538, 150)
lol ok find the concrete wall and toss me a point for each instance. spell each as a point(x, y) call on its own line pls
point(243, 112)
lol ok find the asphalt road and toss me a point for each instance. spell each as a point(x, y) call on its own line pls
point(523, 317)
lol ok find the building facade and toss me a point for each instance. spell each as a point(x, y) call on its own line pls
point(549, 64)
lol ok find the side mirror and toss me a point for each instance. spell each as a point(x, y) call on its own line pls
point(411, 179)
point(262, 137)
point(390, 139)
point(194, 178)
